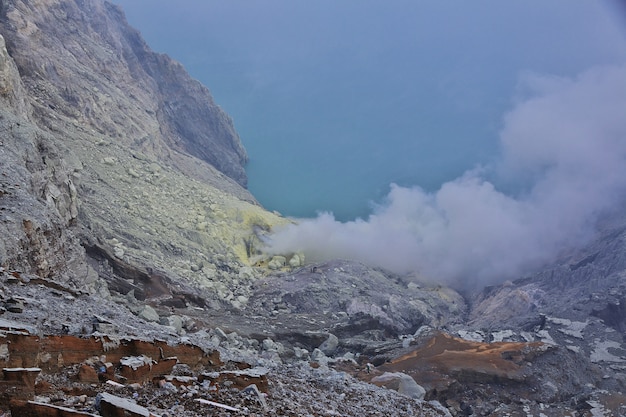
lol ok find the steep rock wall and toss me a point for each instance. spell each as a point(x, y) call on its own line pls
point(81, 62)
point(38, 195)
point(113, 147)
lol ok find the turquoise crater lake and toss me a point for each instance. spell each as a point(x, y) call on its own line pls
point(334, 101)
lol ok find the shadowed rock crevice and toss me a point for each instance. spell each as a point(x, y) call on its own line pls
point(145, 283)
point(613, 314)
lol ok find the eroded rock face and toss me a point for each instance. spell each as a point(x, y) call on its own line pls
point(443, 362)
point(38, 196)
point(585, 284)
point(108, 142)
point(11, 88)
point(83, 64)
point(577, 303)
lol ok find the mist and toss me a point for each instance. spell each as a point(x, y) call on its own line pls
point(562, 162)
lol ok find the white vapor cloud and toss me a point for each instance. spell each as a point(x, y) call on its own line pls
point(563, 144)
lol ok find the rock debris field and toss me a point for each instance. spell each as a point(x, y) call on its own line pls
point(61, 364)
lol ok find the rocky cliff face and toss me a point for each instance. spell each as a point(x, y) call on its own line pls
point(123, 149)
point(122, 211)
point(38, 195)
point(82, 64)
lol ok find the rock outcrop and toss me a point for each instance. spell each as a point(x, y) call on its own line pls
point(141, 365)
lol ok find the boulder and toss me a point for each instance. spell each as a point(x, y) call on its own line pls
point(149, 314)
point(402, 383)
point(143, 368)
point(329, 346)
point(111, 405)
point(18, 383)
point(296, 260)
point(174, 321)
point(253, 390)
point(277, 262)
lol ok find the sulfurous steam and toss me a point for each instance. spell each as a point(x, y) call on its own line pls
point(563, 151)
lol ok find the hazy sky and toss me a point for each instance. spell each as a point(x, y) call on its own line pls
point(335, 100)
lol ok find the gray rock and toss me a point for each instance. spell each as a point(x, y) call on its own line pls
point(402, 383)
point(120, 405)
point(14, 305)
point(130, 297)
point(300, 353)
point(296, 260)
point(149, 314)
point(318, 356)
point(102, 325)
point(175, 322)
point(220, 333)
point(253, 390)
point(269, 345)
point(362, 306)
point(330, 345)
point(119, 251)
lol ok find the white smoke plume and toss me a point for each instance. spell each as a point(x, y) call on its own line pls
point(563, 144)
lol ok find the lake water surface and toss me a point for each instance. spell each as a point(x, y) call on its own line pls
point(334, 101)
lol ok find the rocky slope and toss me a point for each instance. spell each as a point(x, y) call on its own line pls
point(125, 224)
point(99, 120)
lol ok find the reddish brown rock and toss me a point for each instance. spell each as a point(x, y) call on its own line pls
point(86, 373)
point(17, 384)
point(35, 409)
point(51, 353)
point(444, 359)
point(21, 376)
point(146, 371)
point(240, 379)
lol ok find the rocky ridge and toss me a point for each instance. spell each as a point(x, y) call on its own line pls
point(123, 218)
